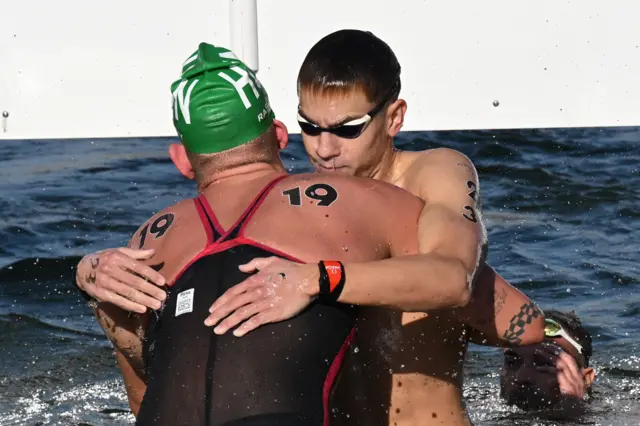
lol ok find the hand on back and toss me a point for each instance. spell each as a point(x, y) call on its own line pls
point(279, 290)
point(119, 277)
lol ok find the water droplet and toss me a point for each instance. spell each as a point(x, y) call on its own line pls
point(496, 103)
point(356, 350)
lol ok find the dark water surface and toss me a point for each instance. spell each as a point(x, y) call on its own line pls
point(562, 209)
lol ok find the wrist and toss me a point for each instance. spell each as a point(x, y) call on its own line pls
point(331, 280)
point(311, 287)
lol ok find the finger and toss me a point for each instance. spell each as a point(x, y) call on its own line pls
point(121, 302)
point(257, 264)
point(137, 254)
point(241, 315)
point(128, 279)
point(232, 304)
point(141, 269)
point(566, 384)
point(572, 382)
point(256, 321)
point(234, 291)
point(112, 286)
point(572, 370)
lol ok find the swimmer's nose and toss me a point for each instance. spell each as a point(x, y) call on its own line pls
point(328, 146)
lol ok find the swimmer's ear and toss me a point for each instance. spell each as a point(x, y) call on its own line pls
point(589, 376)
point(395, 117)
point(282, 134)
point(179, 157)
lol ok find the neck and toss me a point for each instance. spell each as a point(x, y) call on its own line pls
point(384, 171)
point(247, 172)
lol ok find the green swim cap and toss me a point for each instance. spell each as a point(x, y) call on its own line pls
point(218, 103)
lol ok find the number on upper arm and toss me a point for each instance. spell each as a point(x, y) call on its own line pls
point(471, 213)
point(158, 228)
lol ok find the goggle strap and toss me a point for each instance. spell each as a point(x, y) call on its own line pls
point(304, 120)
point(571, 340)
point(358, 121)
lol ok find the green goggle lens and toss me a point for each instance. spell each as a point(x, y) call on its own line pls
point(551, 328)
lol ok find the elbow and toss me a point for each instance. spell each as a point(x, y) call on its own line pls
point(464, 297)
point(463, 286)
point(467, 275)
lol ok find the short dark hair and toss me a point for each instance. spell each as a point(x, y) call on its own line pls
point(572, 325)
point(351, 59)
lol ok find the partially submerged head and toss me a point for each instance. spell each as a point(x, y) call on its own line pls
point(349, 83)
point(222, 115)
point(529, 378)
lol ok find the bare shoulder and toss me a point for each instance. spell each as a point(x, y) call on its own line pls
point(354, 189)
point(155, 230)
point(443, 159)
point(440, 170)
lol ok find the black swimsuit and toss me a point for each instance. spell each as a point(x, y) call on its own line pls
point(279, 374)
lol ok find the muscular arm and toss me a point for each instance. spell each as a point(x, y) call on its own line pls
point(124, 330)
point(451, 237)
point(409, 281)
point(499, 314)
point(118, 275)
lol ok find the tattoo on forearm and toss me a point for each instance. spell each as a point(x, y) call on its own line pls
point(471, 213)
point(528, 312)
point(500, 297)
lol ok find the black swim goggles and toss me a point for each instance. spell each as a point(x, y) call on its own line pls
point(349, 130)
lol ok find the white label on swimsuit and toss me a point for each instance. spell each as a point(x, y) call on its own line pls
point(184, 304)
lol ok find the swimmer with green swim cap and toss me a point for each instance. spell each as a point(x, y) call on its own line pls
point(218, 102)
point(248, 206)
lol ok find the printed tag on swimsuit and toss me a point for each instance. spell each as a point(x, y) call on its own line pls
point(184, 304)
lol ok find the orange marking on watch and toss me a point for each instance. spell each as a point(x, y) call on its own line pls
point(335, 273)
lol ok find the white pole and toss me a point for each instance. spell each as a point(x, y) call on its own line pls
point(244, 31)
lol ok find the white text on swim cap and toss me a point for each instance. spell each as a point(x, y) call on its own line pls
point(265, 112)
point(229, 55)
point(239, 84)
point(181, 101)
point(191, 61)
